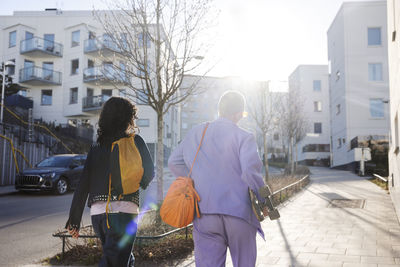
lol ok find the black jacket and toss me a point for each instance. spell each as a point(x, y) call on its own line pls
point(95, 178)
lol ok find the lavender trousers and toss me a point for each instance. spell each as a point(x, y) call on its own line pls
point(214, 233)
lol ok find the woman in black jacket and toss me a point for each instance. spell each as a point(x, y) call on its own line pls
point(117, 227)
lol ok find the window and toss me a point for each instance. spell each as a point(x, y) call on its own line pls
point(141, 98)
point(90, 63)
point(276, 136)
point(22, 92)
point(28, 35)
point(339, 143)
point(375, 71)
point(143, 40)
point(49, 42)
point(317, 85)
point(11, 68)
point(47, 71)
point(317, 127)
point(337, 109)
point(12, 40)
point(374, 36)
point(143, 122)
point(376, 108)
point(316, 148)
point(75, 38)
point(91, 35)
point(141, 72)
point(317, 106)
point(74, 66)
point(184, 125)
point(47, 96)
point(73, 95)
point(106, 94)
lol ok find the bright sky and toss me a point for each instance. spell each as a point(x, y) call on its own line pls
point(257, 39)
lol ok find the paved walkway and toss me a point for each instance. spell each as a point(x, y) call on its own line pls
point(312, 233)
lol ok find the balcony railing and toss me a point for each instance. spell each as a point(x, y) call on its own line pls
point(104, 73)
point(93, 103)
point(97, 44)
point(39, 76)
point(43, 46)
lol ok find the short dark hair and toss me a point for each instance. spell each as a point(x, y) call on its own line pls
point(117, 120)
point(231, 102)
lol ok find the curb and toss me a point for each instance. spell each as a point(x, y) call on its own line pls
point(7, 193)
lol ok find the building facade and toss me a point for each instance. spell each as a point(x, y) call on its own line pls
point(358, 80)
point(393, 11)
point(310, 84)
point(57, 59)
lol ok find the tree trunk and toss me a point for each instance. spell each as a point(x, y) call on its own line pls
point(266, 158)
point(160, 158)
point(291, 156)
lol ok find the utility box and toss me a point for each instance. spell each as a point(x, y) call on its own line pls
point(362, 153)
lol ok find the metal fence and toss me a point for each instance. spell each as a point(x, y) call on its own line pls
point(12, 153)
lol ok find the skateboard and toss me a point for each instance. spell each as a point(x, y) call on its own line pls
point(258, 206)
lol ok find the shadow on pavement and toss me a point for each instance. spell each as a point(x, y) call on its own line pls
point(287, 245)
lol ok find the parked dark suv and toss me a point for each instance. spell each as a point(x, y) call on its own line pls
point(56, 173)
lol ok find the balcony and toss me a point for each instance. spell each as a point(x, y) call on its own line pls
point(39, 76)
point(105, 75)
point(93, 103)
point(39, 47)
point(103, 46)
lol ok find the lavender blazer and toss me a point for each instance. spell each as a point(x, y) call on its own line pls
point(227, 164)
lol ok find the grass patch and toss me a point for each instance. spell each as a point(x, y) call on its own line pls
point(157, 252)
point(280, 165)
point(379, 183)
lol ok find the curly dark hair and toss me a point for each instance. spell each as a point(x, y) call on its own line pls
point(117, 120)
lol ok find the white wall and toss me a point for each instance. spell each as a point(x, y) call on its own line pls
point(393, 11)
point(301, 81)
point(349, 54)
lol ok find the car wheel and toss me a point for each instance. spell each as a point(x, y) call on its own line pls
point(61, 186)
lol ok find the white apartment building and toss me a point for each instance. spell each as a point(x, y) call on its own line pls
point(310, 84)
point(393, 11)
point(57, 58)
point(358, 80)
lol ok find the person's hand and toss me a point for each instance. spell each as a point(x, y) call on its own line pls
point(73, 232)
point(265, 211)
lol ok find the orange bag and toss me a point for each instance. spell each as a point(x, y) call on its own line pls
point(181, 201)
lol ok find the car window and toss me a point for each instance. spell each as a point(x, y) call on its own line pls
point(58, 161)
point(82, 160)
point(76, 161)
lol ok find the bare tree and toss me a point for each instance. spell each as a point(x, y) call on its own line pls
point(158, 42)
point(264, 108)
point(293, 122)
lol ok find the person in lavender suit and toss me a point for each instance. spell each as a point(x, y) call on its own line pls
point(227, 165)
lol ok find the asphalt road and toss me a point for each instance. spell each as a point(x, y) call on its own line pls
point(27, 222)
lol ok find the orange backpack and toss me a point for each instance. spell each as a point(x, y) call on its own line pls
point(181, 201)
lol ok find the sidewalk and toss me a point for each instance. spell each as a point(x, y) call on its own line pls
point(7, 190)
point(311, 232)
